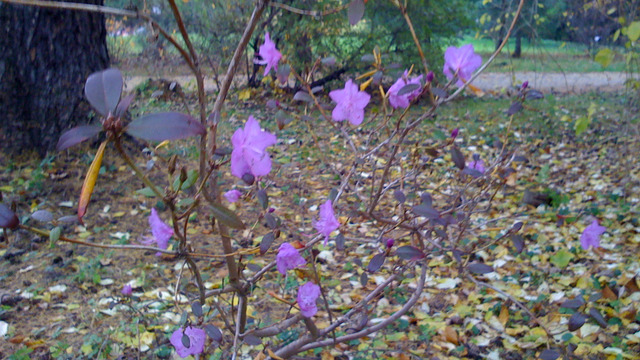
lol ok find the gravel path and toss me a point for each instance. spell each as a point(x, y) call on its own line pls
point(545, 82)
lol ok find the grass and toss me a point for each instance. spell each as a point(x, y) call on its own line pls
point(541, 55)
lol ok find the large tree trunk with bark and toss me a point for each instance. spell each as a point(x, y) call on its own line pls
point(45, 57)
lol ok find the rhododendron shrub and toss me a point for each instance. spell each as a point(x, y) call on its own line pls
point(388, 208)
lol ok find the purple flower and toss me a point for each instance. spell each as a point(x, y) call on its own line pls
point(249, 150)
point(478, 165)
point(403, 100)
point(307, 295)
point(288, 258)
point(196, 341)
point(454, 133)
point(269, 54)
point(127, 290)
point(350, 103)
point(525, 85)
point(461, 62)
point(161, 232)
point(327, 221)
point(232, 195)
point(591, 235)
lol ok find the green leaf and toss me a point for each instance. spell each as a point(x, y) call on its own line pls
point(605, 57)
point(633, 32)
point(581, 125)
point(54, 235)
point(192, 176)
point(146, 192)
point(561, 259)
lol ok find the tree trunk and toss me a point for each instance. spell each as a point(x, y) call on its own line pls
point(517, 53)
point(45, 57)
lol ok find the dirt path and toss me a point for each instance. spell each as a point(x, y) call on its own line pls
point(545, 82)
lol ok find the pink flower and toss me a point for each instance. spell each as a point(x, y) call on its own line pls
point(127, 290)
point(249, 150)
point(461, 62)
point(161, 232)
point(307, 295)
point(196, 341)
point(232, 195)
point(327, 221)
point(269, 54)
point(591, 235)
point(350, 103)
point(403, 100)
point(288, 258)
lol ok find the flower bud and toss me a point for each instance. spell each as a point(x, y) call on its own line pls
point(524, 85)
point(454, 133)
point(172, 164)
point(430, 76)
point(183, 174)
point(248, 178)
point(390, 243)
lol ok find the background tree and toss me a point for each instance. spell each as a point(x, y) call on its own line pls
point(46, 55)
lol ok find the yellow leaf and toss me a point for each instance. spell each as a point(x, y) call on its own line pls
point(244, 94)
point(90, 181)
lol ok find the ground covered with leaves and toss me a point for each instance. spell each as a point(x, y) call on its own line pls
point(545, 297)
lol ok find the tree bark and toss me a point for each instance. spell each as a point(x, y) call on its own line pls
point(45, 57)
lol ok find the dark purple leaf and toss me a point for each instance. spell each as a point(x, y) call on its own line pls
point(426, 199)
point(534, 95)
point(573, 303)
point(196, 308)
point(283, 73)
point(576, 321)
point(165, 126)
point(303, 96)
point(339, 242)
point(282, 119)
point(103, 90)
point(364, 279)
point(226, 216)
point(8, 218)
point(186, 342)
point(124, 104)
point(518, 242)
point(272, 104)
point(248, 178)
point(426, 211)
point(595, 314)
point(549, 354)
point(377, 78)
point(328, 61)
point(68, 219)
point(355, 11)
point(77, 135)
point(479, 268)
point(457, 158)
point(213, 332)
point(376, 262)
point(514, 108)
point(368, 58)
point(517, 226)
point(399, 196)
point(223, 151)
point(271, 221)
point(252, 340)
point(410, 253)
point(263, 199)
point(266, 243)
point(408, 89)
point(316, 89)
point(42, 216)
point(439, 92)
point(472, 172)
